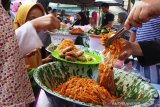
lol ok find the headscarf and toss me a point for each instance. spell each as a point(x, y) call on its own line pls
point(22, 13)
point(33, 59)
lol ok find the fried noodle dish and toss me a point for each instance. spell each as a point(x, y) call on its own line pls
point(110, 54)
point(89, 91)
point(84, 90)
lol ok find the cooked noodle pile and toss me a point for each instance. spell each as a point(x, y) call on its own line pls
point(105, 71)
point(84, 90)
point(114, 49)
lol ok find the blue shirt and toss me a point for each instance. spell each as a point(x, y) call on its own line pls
point(149, 30)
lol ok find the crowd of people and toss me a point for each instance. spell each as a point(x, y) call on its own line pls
point(15, 86)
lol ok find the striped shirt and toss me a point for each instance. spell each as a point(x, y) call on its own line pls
point(149, 30)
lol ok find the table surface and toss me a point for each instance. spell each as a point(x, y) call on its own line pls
point(42, 100)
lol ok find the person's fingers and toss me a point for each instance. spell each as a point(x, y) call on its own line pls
point(148, 14)
point(132, 23)
point(127, 24)
point(136, 13)
point(136, 21)
point(123, 56)
point(55, 23)
point(144, 15)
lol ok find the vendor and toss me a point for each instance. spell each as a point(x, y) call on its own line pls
point(107, 17)
point(81, 19)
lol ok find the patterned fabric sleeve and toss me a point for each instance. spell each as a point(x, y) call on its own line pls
point(15, 86)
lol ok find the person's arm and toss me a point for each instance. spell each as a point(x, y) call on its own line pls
point(151, 52)
point(130, 48)
point(132, 37)
point(28, 38)
point(147, 52)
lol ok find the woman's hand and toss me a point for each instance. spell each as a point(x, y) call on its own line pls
point(44, 23)
point(130, 48)
point(47, 59)
point(142, 12)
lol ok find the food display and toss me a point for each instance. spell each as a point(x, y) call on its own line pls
point(69, 51)
point(98, 31)
point(75, 84)
point(76, 31)
point(87, 90)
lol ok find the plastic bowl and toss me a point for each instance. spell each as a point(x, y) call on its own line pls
point(127, 85)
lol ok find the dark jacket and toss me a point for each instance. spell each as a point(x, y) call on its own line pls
point(151, 52)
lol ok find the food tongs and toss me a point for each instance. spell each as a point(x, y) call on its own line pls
point(115, 36)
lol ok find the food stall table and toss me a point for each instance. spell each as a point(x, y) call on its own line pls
point(59, 35)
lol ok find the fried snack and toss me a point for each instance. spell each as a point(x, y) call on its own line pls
point(82, 58)
point(62, 55)
point(66, 43)
point(77, 31)
point(89, 58)
point(69, 51)
point(84, 90)
point(70, 58)
point(79, 53)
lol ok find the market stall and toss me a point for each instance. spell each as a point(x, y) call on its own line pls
point(52, 75)
point(84, 71)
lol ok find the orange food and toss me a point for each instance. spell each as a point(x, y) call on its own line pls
point(87, 90)
point(77, 31)
point(65, 43)
point(84, 90)
point(105, 71)
point(69, 51)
